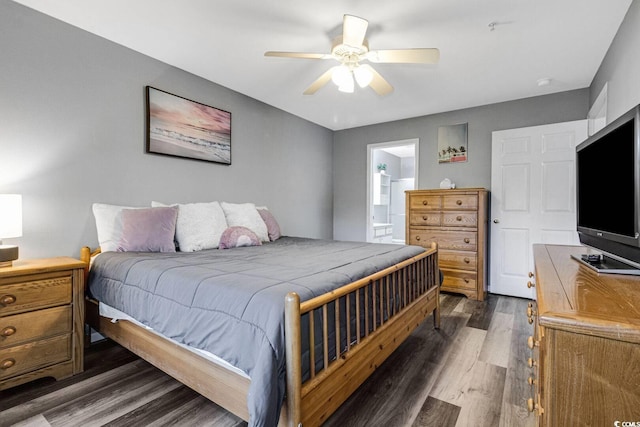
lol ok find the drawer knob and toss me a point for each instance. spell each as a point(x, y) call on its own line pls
point(531, 381)
point(530, 274)
point(531, 362)
point(8, 331)
point(530, 311)
point(458, 202)
point(459, 218)
point(466, 240)
point(466, 280)
point(531, 342)
point(7, 363)
point(530, 320)
point(418, 238)
point(530, 284)
point(424, 202)
point(467, 260)
point(530, 405)
point(424, 217)
point(7, 299)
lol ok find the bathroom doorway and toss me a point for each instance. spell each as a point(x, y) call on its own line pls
point(392, 168)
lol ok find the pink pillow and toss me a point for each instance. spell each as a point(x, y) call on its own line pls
point(148, 230)
point(273, 228)
point(234, 237)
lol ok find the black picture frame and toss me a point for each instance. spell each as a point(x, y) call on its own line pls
point(180, 127)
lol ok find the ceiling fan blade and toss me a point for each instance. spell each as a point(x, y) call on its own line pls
point(321, 81)
point(407, 56)
point(353, 30)
point(303, 55)
point(378, 83)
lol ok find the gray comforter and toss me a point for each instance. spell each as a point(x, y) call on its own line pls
point(231, 302)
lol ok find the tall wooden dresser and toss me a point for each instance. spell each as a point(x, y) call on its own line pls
point(585, 348)
point(457, 220)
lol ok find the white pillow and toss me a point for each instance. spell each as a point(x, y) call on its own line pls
point(109, 225)
point(245, 215)
point(199, 225)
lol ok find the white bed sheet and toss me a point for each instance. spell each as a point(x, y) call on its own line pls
point(116, 315)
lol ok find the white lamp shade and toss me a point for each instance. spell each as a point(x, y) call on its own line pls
point(10, 216)
point(341, 75)
point(363, 76)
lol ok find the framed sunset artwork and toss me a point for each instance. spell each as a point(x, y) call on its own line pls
point(180, 127)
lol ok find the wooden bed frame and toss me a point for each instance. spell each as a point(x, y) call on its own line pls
point(396, 301)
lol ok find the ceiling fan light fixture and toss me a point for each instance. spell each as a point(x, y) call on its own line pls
point(347, 85)
point(363, 76)
point(341, 75)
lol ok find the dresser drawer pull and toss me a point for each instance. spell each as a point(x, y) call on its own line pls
point(530, 311)
point(459, 218)
point(531, 381)
point(418, 238)
point(7, 363)
point(531, 343)
point(424, 202)
point(530, 284)
point(424, 217)
point(7, 299)
point(530, 274)
point(458, 202)
point(466, 280)
point(467, 260)
point(8, 331)
point(531, 362)
point(466, 240)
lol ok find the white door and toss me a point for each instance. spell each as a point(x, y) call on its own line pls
point(532, 199)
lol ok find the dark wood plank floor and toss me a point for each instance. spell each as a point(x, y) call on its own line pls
point(470, 372)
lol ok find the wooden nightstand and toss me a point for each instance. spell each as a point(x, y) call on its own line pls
point(41, 320)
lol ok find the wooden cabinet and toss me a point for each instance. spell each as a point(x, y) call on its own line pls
point(457, 221)
point(585, 345)
point(41, 320)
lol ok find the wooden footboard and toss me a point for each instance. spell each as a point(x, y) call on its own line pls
point(360, 325)
point(388, 307)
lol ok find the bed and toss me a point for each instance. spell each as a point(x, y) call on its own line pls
point(310, 319)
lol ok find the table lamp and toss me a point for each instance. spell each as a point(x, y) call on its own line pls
point(10, 226)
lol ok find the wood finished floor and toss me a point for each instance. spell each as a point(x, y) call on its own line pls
point(470, 372)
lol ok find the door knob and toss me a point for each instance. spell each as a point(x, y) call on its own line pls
point(495, 221)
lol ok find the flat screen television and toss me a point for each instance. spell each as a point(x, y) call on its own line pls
point(608, 195)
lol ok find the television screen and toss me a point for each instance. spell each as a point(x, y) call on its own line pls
point(606, 183)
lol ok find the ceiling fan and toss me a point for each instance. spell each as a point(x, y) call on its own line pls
point(351, 49)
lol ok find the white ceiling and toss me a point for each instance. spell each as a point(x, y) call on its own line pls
point(224, 42)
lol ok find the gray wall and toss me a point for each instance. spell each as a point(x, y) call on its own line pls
point(350, 149)
point(621, 67)
point(72, 133)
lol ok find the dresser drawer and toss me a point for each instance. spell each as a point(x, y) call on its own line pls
point(34, 355)
point(429, 218)
point(454, 279)
point(21, 328)
point(458, 260)
point(460, 201)
point(454, 240)
point(460, 219)
point(34, 294)
point(425, 201)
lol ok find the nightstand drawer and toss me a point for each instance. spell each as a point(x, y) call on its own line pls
point(24, 358)
point(458, 260)
point(34, 292)
point(21, 328)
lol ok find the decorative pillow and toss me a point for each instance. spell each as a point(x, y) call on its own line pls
point(148, 230)
point(109, 225)
point(273, 228)
point(199, 225)
point(245, 215)
point(234, 237)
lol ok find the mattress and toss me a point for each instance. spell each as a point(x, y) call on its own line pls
point(231, 302)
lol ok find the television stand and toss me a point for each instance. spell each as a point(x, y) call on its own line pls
point(606, 264)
